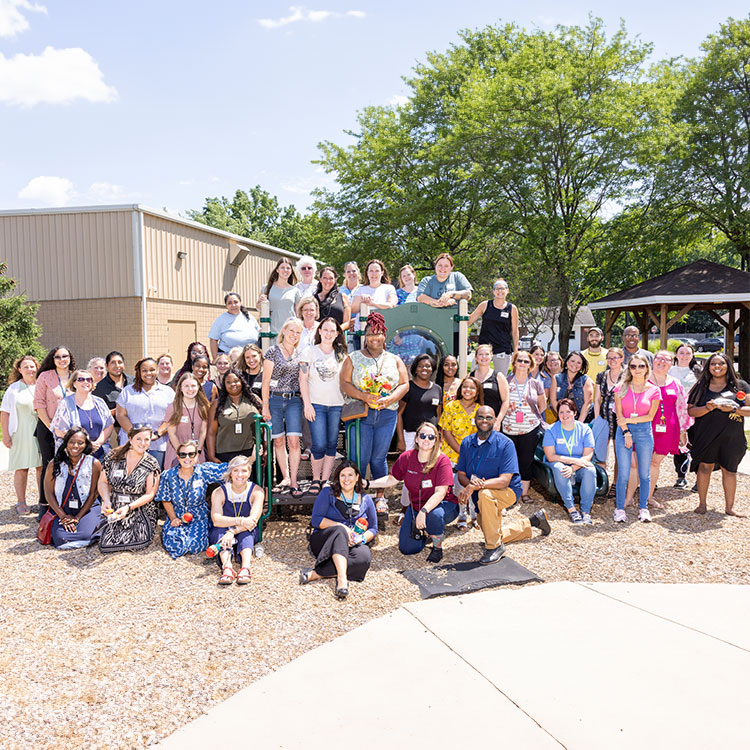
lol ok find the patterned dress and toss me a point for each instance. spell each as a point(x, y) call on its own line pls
point(461, 425)
point(137, 529)
point(188, 496)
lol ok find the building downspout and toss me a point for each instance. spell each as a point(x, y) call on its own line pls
point(139, 266)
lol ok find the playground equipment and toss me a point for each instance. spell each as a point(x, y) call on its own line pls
point(543, 474)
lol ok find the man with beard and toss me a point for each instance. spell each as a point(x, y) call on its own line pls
point(488, 471)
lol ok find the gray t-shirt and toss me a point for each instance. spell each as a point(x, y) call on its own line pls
point(281, 303)
point(456, 282)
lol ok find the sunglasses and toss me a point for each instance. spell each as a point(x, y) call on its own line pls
point(61, 356)
point(84, 380)
point(191, 454)
point(637, 367)
point(306, 268)
point(427, 436)
point(523, 361)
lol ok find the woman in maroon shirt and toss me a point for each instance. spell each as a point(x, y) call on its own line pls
point(428, 476)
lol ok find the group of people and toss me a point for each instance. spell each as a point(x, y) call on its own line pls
point(109, 449)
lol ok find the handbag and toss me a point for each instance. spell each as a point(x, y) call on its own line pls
point(354, 410)
point(44, 532)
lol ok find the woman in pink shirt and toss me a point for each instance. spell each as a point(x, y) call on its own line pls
point(54, 373)
point(636, 404)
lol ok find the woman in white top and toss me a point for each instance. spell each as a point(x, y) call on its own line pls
point(18, 422)
point(306, 268)
point(378, 293)
point(281, 294)
point(320, 367)
point(235, 327)
point(308, 312)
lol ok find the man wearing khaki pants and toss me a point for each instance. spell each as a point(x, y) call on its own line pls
point(488, 471)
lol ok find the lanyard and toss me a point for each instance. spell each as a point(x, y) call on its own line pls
point(477, 462)
point(569, 445)
point(232, 500)
point(350, 505)
point(62, 387)
point(521, 395)
point(191, 417)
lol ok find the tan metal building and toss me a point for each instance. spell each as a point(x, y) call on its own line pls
point(128, 277)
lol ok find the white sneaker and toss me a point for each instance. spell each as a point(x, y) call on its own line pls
point(620, 516)
point(644, 515)
point(461, 521)
point(587, 520)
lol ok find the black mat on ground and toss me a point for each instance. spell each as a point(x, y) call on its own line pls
point(462, 578)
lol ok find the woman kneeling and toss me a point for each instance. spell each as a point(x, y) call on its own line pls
point(341, 550)
point(428, 477)
point(236, 507)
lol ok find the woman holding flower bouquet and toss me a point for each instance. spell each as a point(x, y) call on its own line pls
point(379, 379)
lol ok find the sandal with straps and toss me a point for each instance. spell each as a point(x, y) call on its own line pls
point(227, 576)
point(243, 578)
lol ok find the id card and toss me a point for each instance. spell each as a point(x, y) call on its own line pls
point(435, 401)
point(519, 417)
point(273, 383)
point(118, 473)
point(660, 428)
point(504, 314)
point(238, 428)
point(487, 384)
point(633, 413)
point(184, 420)
point(73, 504)
point(426, 483)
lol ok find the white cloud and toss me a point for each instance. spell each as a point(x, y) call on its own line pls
point(56, 76)
point(12, 20)
point(49, 191)
point(300, 13)
point(398, 100)
point(60, 191)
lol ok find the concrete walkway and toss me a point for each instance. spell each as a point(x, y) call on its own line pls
point(549, 666)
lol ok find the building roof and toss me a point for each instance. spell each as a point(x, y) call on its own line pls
point(153, 212)
point(701, 282)
point(548, 315)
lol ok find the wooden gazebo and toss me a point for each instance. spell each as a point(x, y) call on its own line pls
point(701, 285)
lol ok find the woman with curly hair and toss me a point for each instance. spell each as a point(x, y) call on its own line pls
point(231, 420)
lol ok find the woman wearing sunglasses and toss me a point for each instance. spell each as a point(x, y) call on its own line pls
point(182, 489)
point(82, 409)
point(636, 404)
point(427, 475)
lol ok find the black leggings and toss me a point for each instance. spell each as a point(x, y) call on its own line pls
point(681, 463)
point(325, 543)
point(47, 448)
point(525, 446)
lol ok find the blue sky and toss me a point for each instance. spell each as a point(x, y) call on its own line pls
point(165, 103)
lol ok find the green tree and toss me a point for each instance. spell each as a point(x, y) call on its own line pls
point(19, 330)
point(706, 173)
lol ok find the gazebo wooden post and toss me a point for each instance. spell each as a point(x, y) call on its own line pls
point(612, 316)
point(730, 333)
point(663, 326)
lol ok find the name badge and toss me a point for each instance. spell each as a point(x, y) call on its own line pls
point(487, 384)
point(197, 483)
point(184, 420)
point(426, 483)
point(227, 412)
point(435, 401)
point(504, 314)
point(600, 362)
point(450, 287)
point(671, 393)
point(118, 473)
point(73, 504)
point(273, 383)
point(238, 428)
point(660, 428)
point(561, 441)
point(633, 413)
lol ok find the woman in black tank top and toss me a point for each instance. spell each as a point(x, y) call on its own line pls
point(499, 321)
point(331, 302)
point(494, 384)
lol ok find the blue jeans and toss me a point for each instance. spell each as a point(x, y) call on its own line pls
point(324, 431)
point(586, 478)
point(437, 520)
point(643, 444)
point(286, 415)
point(376, 432)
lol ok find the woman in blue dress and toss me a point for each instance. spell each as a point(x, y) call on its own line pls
point(70, 486)
point(182, 489)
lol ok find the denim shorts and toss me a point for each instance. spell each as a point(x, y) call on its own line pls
point(286, 415)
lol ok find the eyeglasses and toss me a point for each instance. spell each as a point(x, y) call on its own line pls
point(637, 367)
point(662, 359)
point(614, 359)
point(500, 286)
point(61, 356)
point(427, 436)
point(84, 380)
point(523, 361)
point(306, 268)
point(190, 454)
point(485, 419)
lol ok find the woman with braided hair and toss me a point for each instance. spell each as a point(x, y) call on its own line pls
point(379, 379)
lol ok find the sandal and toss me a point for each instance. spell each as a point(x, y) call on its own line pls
point(296, 492)
point(22, 509)
point(227, 576)
point(243, 578)
point(526, 499)
point(398, 519)
point(315, 486)
point(381, 507)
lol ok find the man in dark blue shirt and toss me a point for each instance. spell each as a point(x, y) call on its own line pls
point(488, 471)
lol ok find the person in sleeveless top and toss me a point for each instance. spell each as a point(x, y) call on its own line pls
point(236, 508)
point(499, 325)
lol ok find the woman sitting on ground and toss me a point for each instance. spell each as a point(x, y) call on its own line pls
point(338, 549)
point(70, 486)
point(428, 477)
point(182, 490)
point(569, 451)
point(236, 508)
point(127, 485)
